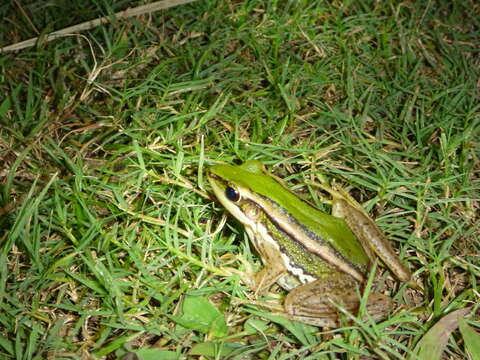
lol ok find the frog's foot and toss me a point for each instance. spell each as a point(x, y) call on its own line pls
point(259, 281)
point(265, 278)
point(271, 305)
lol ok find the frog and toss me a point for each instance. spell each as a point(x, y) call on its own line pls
point(322, 260)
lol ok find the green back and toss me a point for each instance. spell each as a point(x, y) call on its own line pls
point(252, 175)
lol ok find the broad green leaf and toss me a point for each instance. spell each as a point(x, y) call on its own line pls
point(254, 326)
point(214, 349)
point(301, 331)
point(433, 343)
point(471, 339)
point(156, 354)
point(199, 314)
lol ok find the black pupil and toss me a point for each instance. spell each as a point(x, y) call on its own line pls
point(232, 194)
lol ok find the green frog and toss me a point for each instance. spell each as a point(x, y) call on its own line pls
point(320, 259)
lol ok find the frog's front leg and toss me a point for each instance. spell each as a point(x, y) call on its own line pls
point(272, 270)
point(315, 303)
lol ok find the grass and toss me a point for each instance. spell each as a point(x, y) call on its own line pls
point(107, 222)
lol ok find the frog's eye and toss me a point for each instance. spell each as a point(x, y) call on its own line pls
point(232, 194)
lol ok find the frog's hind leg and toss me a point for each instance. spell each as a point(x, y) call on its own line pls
point(319, 302)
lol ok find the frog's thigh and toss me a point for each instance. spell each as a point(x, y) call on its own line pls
point(314, 302)
point(318, 296)
point(273, 269)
